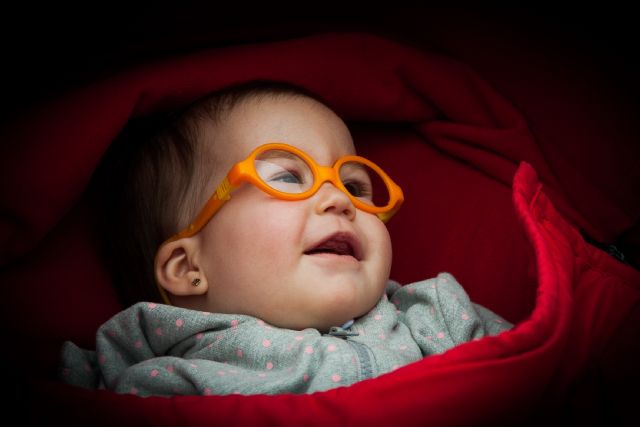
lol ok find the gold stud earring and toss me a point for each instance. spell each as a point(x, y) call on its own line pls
point(195, 282)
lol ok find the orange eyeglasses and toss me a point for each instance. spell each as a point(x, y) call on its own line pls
point(288, 173)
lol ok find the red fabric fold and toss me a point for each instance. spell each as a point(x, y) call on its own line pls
point(443, 133)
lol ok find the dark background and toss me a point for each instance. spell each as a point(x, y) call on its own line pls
point(571, 70)
point(45, 49)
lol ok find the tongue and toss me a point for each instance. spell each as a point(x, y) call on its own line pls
point(339, 248)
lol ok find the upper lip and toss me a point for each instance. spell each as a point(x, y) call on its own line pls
point(338, 241)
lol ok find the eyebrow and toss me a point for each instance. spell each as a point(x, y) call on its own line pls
point(355, 166)
point(269, 154)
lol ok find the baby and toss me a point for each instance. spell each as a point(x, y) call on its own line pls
point(264, 235)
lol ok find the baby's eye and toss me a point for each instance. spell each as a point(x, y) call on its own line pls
point(359, 189)
point(285, 174)
point(287, 177)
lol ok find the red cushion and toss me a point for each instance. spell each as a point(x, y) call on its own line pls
point(445, 136)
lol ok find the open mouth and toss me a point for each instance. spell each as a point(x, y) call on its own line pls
point(341, 244)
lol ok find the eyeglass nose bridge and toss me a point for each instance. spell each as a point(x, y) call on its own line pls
point(329, 174)
point(332, 174)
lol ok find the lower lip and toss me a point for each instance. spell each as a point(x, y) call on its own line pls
point(333, 257)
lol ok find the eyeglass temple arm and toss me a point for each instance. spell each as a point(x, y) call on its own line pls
point(219, 198)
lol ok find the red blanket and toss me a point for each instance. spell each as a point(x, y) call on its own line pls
point(446, 137)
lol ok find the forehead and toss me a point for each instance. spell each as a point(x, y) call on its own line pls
point(295, 120)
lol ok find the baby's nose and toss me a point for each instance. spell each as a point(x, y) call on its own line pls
point(331, 199)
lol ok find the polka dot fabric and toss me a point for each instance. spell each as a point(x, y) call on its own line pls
point(153, 349)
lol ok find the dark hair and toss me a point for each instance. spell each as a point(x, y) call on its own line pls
point(152, 179)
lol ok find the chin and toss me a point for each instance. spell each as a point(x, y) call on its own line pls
point(340, 293)
point(344, 306)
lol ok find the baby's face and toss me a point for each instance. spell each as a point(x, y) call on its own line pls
point(255, 250)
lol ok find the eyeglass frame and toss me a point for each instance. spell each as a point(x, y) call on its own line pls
point(244, 172)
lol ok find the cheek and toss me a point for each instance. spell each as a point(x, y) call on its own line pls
point(380, 239)
point(256, 234)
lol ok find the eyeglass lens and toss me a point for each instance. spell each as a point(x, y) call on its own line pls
point(288, 173)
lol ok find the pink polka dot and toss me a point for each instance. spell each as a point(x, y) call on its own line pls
point(193, 365)
point(308, 349)
point(152, 305)
point(179, 323)
point(382, 336)
point(262, 375)
point(331, 347)
point(403, 347)
point(498, 320)
point(465, 316)
point(207, 392)
point(266, 343)
point(269, 366)
point(221, 373)
point(199, 335)
point(239, 353)
point(411, 291)
point(299, 337)
point(260, 322)
point(394, 367)
point(210, 345)
point(170, 368)
point(377, 317)
point(219, 337)
point(159, 331)
point(112, 334)
point(305, 378)
point(133, 391)
point(102, 359)
point(433, 286)
point(154, 373)
point(234, 323)
point(440, 335)
point(336, 378)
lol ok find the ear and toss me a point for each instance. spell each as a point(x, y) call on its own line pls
point(176, 268)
